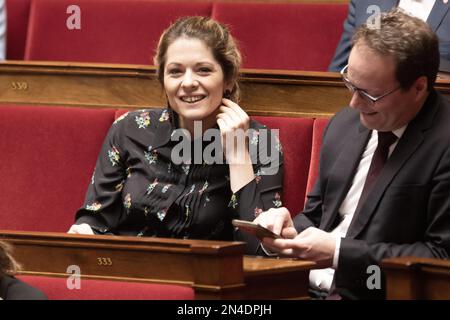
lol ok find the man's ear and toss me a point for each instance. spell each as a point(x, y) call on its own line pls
point(420, 86)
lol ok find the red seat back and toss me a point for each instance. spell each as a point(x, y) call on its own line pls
point(295, 138)
point(89, 289)
point(294, 36)
point(112, 31)
point(48, 157)
point(318, 130)
point(17, 12)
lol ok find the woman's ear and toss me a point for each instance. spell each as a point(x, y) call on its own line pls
point(228, 90)
point(227, 94)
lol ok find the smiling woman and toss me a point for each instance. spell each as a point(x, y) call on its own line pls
point(138, 188)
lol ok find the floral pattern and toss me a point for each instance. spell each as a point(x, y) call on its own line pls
point(185, 168)
point(94, 206)
point(161, 214)
point(165, 188)
point(114, 156)
point(152, 186)
point(151, 157)
point(277, 202)
point(143, 120)
point(233, 202)
point(127, 201)
point(164, 116)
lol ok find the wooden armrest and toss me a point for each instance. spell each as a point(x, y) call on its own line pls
point(417, 278)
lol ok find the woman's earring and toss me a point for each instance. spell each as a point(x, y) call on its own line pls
point(227, 94)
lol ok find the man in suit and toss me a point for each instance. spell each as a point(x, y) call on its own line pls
point(435, 12)
point(383, 188)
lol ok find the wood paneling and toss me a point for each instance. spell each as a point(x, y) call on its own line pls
point(264, 92)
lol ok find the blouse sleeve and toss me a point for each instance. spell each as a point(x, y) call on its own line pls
point(265, 190)
point(102, 206)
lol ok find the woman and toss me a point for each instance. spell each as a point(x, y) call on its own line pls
point(141, 185)
point(10, 287)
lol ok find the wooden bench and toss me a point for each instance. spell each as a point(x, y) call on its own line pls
point(214, 269)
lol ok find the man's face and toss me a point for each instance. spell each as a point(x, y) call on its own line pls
point(375, 74)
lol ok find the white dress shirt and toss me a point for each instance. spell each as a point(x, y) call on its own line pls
point(417, 8)
point(321, 279)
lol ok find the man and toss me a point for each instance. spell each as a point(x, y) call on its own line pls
point(361, 211)
point(435, 12)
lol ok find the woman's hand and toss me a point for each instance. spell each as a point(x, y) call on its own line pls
point(234, 123)
point(83, 228)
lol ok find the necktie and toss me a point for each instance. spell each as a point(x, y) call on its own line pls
point(385, 140)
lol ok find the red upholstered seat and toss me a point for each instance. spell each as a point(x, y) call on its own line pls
point(56, 289)
point(318, 129)
point(112, 31)
point(294, 36)
point(48, 156)
point(295, 137)
point(17, 26)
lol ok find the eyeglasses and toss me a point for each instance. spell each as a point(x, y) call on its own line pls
point(362, 93)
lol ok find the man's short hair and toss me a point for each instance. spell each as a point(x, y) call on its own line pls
point(412, 43)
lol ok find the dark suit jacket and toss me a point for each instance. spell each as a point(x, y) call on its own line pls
point(439, 21)
point(408, 209)
point(15, 289)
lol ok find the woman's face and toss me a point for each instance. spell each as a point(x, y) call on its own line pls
point(193, 82)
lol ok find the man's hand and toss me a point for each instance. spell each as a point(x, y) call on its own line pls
point(278, 221)
point(312, 244)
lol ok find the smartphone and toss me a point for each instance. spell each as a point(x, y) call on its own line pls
point(253, 228)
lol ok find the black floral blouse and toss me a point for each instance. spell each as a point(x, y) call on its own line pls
point(137, 190)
